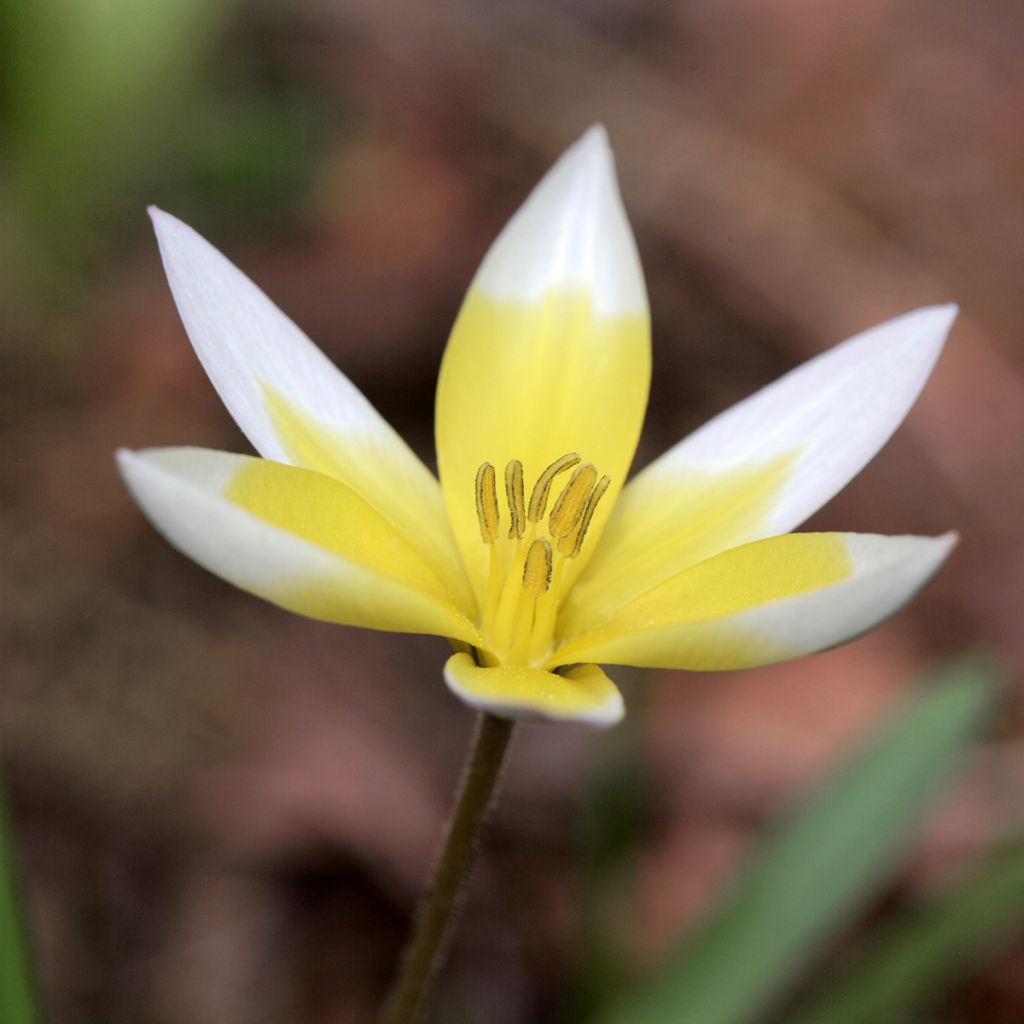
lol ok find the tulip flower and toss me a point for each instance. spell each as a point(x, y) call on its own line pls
point(533, 554)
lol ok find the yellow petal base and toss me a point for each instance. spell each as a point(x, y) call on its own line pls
point(583, 694)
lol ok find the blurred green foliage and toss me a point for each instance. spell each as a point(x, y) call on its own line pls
point(88, 90)
point(251, 152)
point(916, 959)
point(17, 991)
point(818, 869)
point(110, 105)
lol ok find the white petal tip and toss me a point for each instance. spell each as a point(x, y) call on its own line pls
point(571, 232)
point(938, 318)
point(180, 244)
point(171, 235)
point(922, 557)
point(946, 542)
point(939, 548)
point(164, 223)
point(160, 218)
point(134, 469)
point(930, 555)
point(927, 326)
point(610, 713)
point(127, 459)
point(588, 164)
point(593, 148)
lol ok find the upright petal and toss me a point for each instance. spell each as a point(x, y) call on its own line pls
point(763, 466)
point(551, 349)
point(292, 402)
point(294, 537)
point(767, 601)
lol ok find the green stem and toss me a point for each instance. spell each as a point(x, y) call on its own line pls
point(437, 912)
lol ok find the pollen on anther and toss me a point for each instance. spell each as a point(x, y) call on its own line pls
point(571, 544)
point(570, 503)
point(542, 488)
point(487, 503)
point(515, 496)
point(537, 568)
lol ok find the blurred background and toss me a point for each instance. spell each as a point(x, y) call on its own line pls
point(225, 813)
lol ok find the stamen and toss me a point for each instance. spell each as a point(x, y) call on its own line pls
point(572, 542)
point(487, 503)
point(542, 488)
point(537, 568)
point(516, 498)
point(570, 504)
point(526, 580)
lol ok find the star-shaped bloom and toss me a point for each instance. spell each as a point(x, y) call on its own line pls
point(533, 554)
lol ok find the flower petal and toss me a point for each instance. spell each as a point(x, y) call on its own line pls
point(551, 349)
point(582, 694)
point(292, 536)
point(767, 601)
point(292, 402)
point(763, 466)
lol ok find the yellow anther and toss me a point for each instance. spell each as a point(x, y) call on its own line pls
point(542, 488)
point(537, 568)
point(572, 542)
point(570, 503)
point(487, 503)
point(516, 498)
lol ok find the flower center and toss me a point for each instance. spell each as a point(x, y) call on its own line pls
point(524, 584)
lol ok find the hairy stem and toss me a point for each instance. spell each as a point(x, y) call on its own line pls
point(440, 905)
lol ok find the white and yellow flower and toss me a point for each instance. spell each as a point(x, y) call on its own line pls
point(532, 553)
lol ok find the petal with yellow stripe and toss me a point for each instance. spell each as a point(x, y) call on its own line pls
point(763, 466)
point(550, 353)
point(767, 601)
point(581, 694)
point(292, 402)
point(294, 537)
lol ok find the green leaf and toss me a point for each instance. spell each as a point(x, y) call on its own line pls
point(17, 992)
point(917, 960)
point(816, 871)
